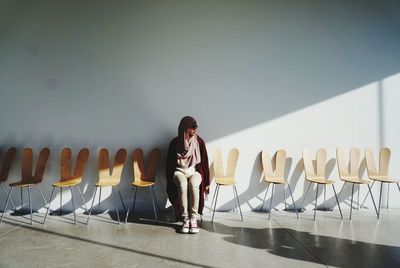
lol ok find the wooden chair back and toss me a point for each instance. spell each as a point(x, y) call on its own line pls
point(7, 163)
point(105, 173)
point(66, 164)
point(275, 167)
point(27, 163)
point(140, 173)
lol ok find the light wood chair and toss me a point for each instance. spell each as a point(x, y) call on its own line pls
point(28, 179)
point(143, 177)
point(225, 180)
point(108, 178)
point(5, 169)
point(350, 175)
point(317, 176)
point(274, 173)
point(69, 179)
point(382, 176)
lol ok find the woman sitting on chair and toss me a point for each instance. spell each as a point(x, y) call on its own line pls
point(187, 174)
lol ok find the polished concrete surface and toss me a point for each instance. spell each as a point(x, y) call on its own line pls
point(281, 242)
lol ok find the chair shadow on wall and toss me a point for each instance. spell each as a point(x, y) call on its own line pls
point(257, 187)
point(305, 246)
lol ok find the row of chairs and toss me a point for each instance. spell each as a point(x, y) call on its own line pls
point(274, 173)
point(109, 176)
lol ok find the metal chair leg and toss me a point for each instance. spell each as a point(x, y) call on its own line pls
point(98, 208)
point(30, 203)
point(60, 200)
point(358, 197)
point(83, 199)
point(265, 196)
point(154, 206)
point(5, 191)
point(212, 202)
point(324, 197)
point(270, 203)
point(365, 198)
point(122, 200)
point(115, 203)
point(388, 191)
point(5, 205)
point(373, 201)
point(340, 193)
point(41, 194)
point(234, 200)
point(351, 203)
point(48, 206)
point(284, 197)
point(337, 201)
point(155, 198)
point(316, 202)
point(240, 209)
point(294, 204)
point(380, 198)
point(301, 205)
point(215, 204)
point(91, 207)
point(341, 190)
point(22, 202)
point(73, 204)
point(132, 199)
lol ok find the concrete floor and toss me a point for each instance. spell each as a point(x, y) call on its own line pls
point(281, 242)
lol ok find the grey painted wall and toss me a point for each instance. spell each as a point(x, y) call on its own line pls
point(123, 73)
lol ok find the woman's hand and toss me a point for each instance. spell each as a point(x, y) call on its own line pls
point(207, 190)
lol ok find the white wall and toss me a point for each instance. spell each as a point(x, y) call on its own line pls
point(256, 74)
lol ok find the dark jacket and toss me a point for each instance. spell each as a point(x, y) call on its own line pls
point(202, 168)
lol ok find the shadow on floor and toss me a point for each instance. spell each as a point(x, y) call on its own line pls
point(305, 246)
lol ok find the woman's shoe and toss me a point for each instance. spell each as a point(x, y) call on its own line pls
point(194, 228)
point(185, 227)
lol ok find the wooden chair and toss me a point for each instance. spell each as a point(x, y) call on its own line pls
point(274, 172)
point(5, 169)
point(69, 179)
point(383, 175)
point(108, 178)
point(28, 179)
point(225, 180)
point(143, 177)
point(351, 176)
point(317, 176)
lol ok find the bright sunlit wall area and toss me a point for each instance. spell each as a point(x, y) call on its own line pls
point(255, 74)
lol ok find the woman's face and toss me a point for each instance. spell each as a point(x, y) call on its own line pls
point(191, 132)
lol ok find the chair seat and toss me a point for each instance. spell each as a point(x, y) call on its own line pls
point(321, 180)
point(141, 183)
point(107, 183)
point(383, 179)
point(355, 180)
point(22, 184)
point(67, 183)
point(225, 181)
point(276, 180)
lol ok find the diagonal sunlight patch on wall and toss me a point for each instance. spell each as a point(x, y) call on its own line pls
point(353, 119)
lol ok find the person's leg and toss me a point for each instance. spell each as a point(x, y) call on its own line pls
point(194, 184)
point(182, 182)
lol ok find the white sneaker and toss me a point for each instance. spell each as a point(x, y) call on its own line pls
point(194, 228)
point(185, 227)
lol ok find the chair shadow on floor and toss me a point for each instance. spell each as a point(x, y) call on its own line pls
point(147, 218)
point(309, 247)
